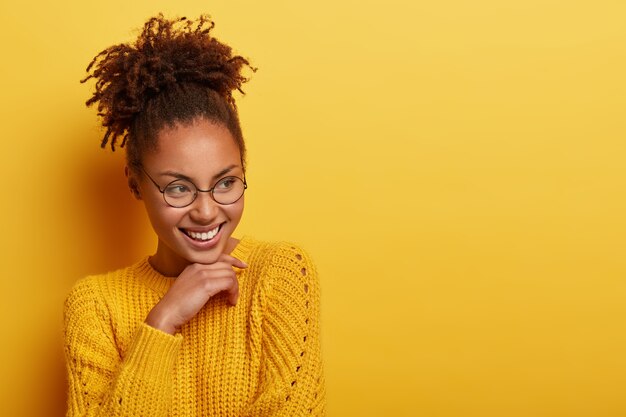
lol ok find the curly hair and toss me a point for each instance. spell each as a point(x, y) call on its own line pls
point(174, 72)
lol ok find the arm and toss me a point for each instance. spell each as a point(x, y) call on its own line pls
point(102, 381)
point(292, 381)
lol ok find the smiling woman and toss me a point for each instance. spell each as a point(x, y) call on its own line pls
point(210, 324)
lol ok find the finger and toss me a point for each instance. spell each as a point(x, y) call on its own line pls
point(240, 264)
point(233, 292)
point(226, 283)
point(233, 261)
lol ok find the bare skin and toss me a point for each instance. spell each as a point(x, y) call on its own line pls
point(191, 291)
point(202, 151)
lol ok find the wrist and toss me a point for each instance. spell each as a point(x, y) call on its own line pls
point(159, 321)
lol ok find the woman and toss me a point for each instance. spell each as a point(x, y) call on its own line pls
point(209, 325)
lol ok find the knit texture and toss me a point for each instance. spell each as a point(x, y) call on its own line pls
point(259, 358)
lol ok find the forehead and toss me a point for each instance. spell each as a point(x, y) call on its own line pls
point(196, 149)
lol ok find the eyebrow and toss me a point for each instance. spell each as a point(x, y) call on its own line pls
point(215, 177)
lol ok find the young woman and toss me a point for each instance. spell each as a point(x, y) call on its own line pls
point(209, 325)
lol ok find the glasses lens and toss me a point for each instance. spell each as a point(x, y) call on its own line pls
point(179, 193)
point(228, 190)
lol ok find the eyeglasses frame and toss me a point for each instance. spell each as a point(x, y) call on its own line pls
point(210, 190)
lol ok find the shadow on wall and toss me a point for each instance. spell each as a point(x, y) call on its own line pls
point(56, 386)
point(117, 222)
point(117, 234)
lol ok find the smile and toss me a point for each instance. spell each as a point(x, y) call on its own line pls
point(202, 236)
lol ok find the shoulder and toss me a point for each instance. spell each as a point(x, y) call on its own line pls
point(288, 274)
point(99, 282)
point(277, 258)
point(84, 292)
point(292, 262)
point(90, 293)
point(271, 252)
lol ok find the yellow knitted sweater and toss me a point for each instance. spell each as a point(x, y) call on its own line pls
point(258, 358)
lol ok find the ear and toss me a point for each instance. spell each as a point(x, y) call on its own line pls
point(132, 183)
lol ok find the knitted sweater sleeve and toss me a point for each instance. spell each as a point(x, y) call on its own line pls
point(102, 380)
point(292, 380)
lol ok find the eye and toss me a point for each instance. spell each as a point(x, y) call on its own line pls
point(177, 189)
point(226, 184)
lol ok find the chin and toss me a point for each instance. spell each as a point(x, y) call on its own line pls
point(207, 256)
point(205, 259)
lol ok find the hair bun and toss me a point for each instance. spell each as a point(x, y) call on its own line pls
point(167, 52)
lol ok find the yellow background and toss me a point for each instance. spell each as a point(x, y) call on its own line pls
point(456, 168)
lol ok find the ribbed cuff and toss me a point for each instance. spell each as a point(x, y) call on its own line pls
point(152, 354)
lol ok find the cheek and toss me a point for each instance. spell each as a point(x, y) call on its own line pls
point(235, 211)
point(160, 215)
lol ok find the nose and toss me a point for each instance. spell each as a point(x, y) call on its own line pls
point(204, 209)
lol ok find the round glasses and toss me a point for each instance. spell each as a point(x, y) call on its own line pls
point(181, 193)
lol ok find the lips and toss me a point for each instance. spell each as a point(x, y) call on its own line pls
point(202, 235)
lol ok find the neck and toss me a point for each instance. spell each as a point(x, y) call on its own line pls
point(165, 264)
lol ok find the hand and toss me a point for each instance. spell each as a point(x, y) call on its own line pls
point(191, 291)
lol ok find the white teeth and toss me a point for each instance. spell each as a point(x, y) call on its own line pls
point(203, 235)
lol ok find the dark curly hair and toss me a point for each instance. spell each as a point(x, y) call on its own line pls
point(174, 72)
